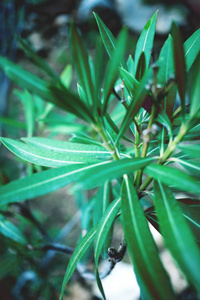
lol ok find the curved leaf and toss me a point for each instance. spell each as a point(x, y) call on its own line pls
point(145, 41)
point(177, 234)
point(102, 231)
point(192, 150)
point(151, 276)
point(10, 231)
point(52, 157)
point(174, 178)
point(192, 48)
point(77, 255)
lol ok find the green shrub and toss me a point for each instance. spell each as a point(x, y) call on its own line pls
point(137, 144)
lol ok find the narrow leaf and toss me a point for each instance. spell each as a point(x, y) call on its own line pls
point(76, 257)
point(192, 150)
point(102, 231)
point(141, 67)
point(192, 48)
point(195, 90)
point(177, 234)
point(10, 231)
point(174, 178)
point(151, 276)
point(179, 63)
point(145, 42)
point(51, 157)
point(129, 81)
point(81, 61)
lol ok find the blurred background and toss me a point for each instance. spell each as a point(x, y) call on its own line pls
point(44, 25)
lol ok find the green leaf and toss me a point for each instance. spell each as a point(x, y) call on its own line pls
point(74, 149)
point(37, 184)
point(66, 76)
point(102, 232)
point(136, 103)
point(129, 81)
point(54, 156)
point(77, 255)
point(12, 123)
point(145, 41)
point(165, 121)
point(141, 67)
point(99, 173)
point(29, 113)
point(192, 48)
point(106, 35)
point(112, 69)
point(151, 276)
point(61, 97)
point(81, 61)
point(177, 234)
point(166, 65)
point(192, 150)
point(195, 90)
point(10, 231)
point(174, 178)
point(180, 67)
point(38, 61)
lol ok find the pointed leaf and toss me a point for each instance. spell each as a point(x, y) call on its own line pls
point(192, 150)
point(113, 65)
point(52, 157)
point(174, 178)
point(81, 61)
point(76, 256)
point(99, 173)
point(192, 48)
point(129, 81)
point(141, 67)
point(136, 103)
point(145, 42)
point(177, 234)
point(151, 276)
point(102, 231)
point(10, 231)
point(179, 63)
point(195, 90)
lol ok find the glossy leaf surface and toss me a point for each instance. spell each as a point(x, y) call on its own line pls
point(10, 231)
point(177, 234)
point(151, 276)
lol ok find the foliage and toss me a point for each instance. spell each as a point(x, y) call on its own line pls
point(134, 137)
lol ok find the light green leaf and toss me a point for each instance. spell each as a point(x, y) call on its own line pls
point(192, 150)
point(174, 178)
point(29, 113)
point(10, 231)
point(99, 173)
point(73, 149)
point(166, 62)
point(151, 276)
point(192, 48)
point(145, 42)
point(52, 157)
point(177, 234)
point(81, 61)
point(66, 76)
point(102, 231)
point(77, 255)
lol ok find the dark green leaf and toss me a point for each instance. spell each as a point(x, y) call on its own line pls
point(129, 81)
point(81, 61)
point(174, 178)
point(195, 90)
point(177, 234)
point(141, 67)
point(151, 276)
point(112, 69)
point(179, 63)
